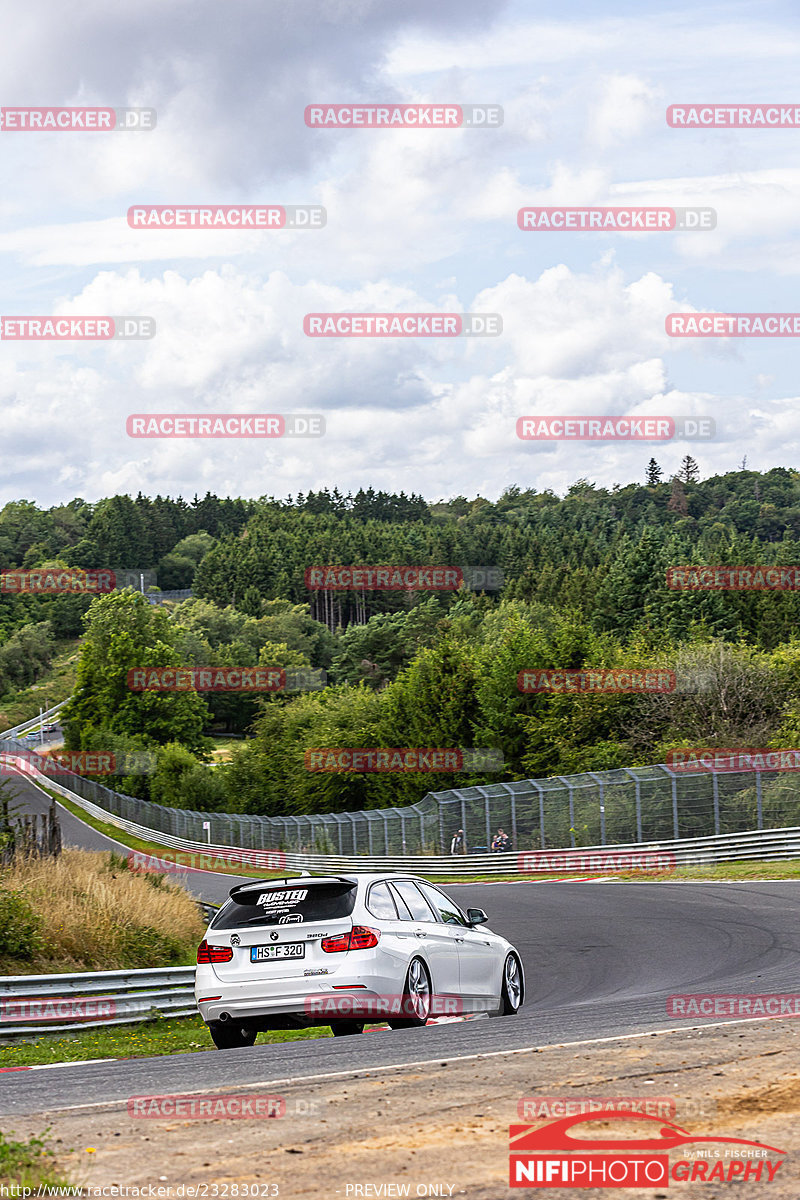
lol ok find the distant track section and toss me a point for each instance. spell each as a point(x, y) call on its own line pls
point(754, 844)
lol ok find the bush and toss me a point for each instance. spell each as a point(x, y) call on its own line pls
point(143, 946)
point(20, 928)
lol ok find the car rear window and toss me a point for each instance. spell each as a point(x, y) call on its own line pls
point(287, 905)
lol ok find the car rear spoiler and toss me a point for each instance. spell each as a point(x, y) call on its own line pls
point(308, 881)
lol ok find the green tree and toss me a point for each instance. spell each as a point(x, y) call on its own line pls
point(654, 473)
point(124, 632)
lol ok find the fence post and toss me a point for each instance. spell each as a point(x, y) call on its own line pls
point(571, 809)
point(715, 785)
point(540, 791)
point(488, 818)
point(602, 786)
point(759, 801)
point(464, 821)
point(415, 808)
point(513, 797)
point(675, 807)
point(638, 785)
point(421, 832)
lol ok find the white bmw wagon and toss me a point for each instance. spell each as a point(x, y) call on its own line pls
point(343, 950)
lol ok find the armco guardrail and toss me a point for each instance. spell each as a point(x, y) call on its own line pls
point(31, 1005)
point(748, 844)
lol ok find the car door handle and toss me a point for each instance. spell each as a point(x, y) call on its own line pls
point(421, 933)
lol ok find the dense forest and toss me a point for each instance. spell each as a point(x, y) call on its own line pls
point(585, 586)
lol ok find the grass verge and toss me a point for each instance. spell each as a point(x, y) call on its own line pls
point(185, 1036)
point(86, 911)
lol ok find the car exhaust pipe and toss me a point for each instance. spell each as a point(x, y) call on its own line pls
point(224, 1017)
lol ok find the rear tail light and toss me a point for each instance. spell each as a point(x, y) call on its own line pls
point(363, 938)
point(360, 937)
point(333, 945)
point(213, 954)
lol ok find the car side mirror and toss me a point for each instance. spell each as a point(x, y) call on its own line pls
point(476, 916)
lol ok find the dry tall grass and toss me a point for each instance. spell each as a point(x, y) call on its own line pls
point(94, 914)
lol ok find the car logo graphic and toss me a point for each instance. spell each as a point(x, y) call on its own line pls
point(235, 939)
point(273, 937)
point(291, 919)
point(667, 1135)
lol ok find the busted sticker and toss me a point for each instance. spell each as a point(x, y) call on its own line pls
point(282, 899)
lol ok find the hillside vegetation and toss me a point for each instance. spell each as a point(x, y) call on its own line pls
point(585, 587)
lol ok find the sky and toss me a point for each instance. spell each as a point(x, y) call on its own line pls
point(417, 220)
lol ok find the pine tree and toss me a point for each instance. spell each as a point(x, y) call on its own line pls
point(677, 499)
point(689, 472)
point(654, 473)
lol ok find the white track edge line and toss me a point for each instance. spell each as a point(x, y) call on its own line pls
point(430, 1062)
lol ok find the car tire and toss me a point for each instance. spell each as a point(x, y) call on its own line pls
point(228, 1035)
point(344, 1028)
point(512, 991)
point(417, 993)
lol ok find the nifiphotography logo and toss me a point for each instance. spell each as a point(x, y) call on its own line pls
point(550, 1156)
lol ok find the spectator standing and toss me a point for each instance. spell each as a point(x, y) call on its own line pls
point(500, 842)
point(457, 844)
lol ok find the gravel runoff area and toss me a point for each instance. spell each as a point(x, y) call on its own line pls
point(440, 1128)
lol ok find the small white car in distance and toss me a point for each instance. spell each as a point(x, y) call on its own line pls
point(341, 950)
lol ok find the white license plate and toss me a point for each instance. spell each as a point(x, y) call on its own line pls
point(284, 950)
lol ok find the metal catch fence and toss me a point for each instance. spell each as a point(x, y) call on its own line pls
point(598, 808)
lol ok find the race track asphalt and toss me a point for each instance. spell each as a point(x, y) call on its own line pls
point(600, 961)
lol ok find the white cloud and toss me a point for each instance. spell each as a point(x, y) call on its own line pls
point(416, 220)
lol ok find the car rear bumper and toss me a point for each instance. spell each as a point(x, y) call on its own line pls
point(314, 999)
